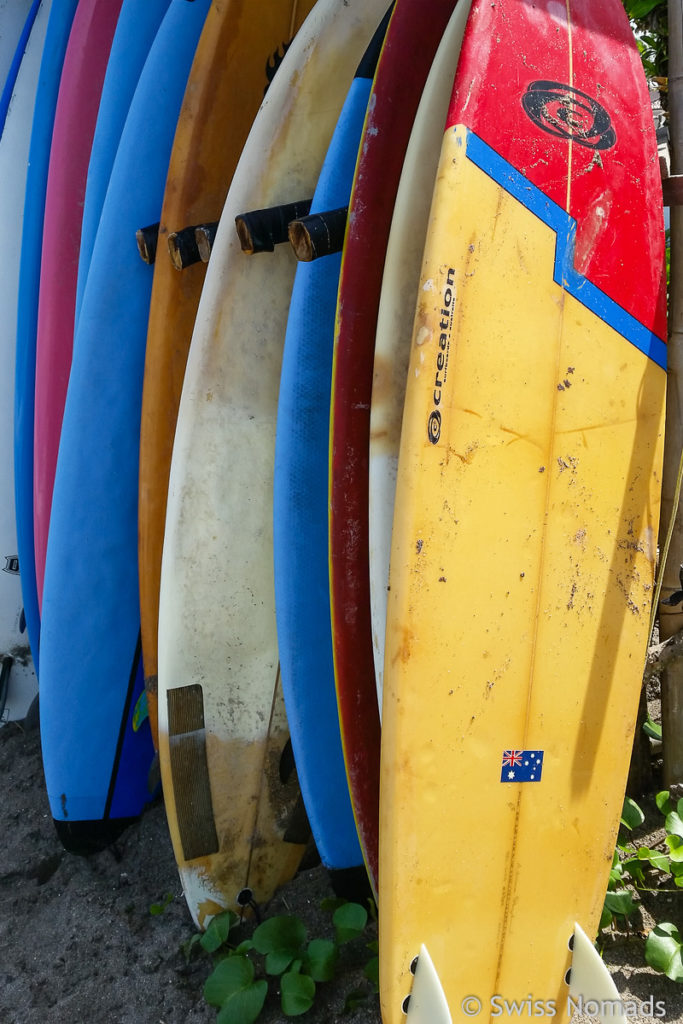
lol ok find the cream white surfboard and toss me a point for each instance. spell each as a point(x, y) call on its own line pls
point(219, 703)
point(14, 149)
point(395, 316)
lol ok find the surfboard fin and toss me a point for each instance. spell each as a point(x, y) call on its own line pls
point(427, 1003)
point(590, 981)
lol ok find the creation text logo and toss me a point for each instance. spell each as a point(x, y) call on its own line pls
point(445, 329)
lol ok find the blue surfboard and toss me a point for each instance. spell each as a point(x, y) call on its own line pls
point(11, 70)
point(300, 518)
point(56, 39)
point(97, 747)
point(136, 29)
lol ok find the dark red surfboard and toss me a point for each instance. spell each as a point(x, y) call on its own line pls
point(413, 35)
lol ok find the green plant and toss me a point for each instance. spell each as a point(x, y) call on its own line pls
point(638, 868)
point(278, 949)
point(649, 21)
point(158, 908)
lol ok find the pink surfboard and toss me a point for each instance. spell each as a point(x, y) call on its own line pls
point(77, 105)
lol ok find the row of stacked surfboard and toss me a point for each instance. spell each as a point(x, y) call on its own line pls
point(338, 340)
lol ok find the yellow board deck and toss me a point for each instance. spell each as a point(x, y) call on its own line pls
point(520, 587)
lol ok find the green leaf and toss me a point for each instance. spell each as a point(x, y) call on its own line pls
point(620, 902)
point(605, 918)
point(321, 959)
point(355, 999)
point(140, 711)
point(674, 824)
point(349, 922)
point(631, 814)
point(675, 844)
point(245, 1005)
point(297, 992)
point(663, 948)
point(277, 962)
point(652, 729)
point(158, 908)
point(635, 869)
point(244, 946)
point(218, 930)
point(658, 860)
point(281, 939)
point(371, 972)
point(187, 947)
point(229, 976)
point(664, 802)
point(332, 903)
point(640, 8)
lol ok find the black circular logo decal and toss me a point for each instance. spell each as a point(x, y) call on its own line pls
point(569, 113)
point(434, 426)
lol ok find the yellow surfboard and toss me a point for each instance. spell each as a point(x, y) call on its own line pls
point(525, 522)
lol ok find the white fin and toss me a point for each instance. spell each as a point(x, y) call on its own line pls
point(427, 1003)
point(591, 982)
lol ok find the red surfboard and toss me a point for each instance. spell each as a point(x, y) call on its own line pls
point(410, 44)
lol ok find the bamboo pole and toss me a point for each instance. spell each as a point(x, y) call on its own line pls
point(671, 616)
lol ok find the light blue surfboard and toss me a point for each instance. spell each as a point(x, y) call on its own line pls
point(136, 29)
point(14, 14)
point(97, 749)
point(300, 517)
point(56, 39)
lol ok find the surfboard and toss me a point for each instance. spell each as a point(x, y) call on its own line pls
point(96, 743)
point(527, 500)
point(395, 312)
point(56, 39)
point(217, 632)
point(300, 537)
point(16, 21)
point(18, 684)
point(136, 29)
point(80, 86)
point(412, 38)
point(236, 57)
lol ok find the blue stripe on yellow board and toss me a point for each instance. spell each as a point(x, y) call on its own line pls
point(564, 225)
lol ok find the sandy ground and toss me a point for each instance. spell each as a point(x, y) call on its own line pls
point(78, 944)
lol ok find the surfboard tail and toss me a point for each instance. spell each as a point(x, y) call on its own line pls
point(591, 989)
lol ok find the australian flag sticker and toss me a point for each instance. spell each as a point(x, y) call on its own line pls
point(521, 766)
